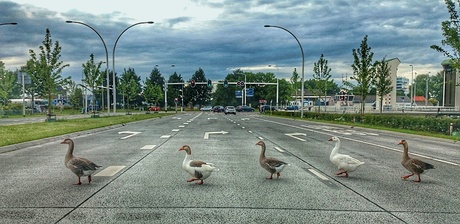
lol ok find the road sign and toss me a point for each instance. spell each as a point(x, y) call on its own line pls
point(238, 93)
point(249, 92)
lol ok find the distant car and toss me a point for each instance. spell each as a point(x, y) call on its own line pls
point(244, 109)
point(206, 108)
point(292, 107)
point(154, 108)
point(264, 108)
point(218, 109)
point(230, 110)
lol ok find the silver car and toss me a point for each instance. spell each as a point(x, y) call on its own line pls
point(230, 110)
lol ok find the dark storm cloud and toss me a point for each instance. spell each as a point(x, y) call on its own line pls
point(237, 38)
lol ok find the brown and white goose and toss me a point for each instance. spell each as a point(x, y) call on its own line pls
point(270, 164)
point(199, 170)
point(414, 166)
point(78, 165)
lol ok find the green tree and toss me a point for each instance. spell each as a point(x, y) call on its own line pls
point(450, 31)
point(200, 94)
point(382, 81)
point(175, 91)
point(45, 68)
point(295, 82)
point(75, 96)
point(130, 86)
point(152, 93)
point(437, 87)
point(363, 72)
point(93, 75)
point(7, 84)
point(321, 74)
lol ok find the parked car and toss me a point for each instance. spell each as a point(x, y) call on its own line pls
point(218, 109)
point(206, 108)
point(244, 109)
point(264, 108)
point(230, 110)
point(154, 108)
point(292, 107)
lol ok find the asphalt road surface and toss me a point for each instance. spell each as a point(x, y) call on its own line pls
point(142, 181)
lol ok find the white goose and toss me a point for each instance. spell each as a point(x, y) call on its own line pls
point(345, 163)
point(199, 170)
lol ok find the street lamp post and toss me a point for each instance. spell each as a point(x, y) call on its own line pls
point(412, 87)
point(303, 65)
point(114, 91)
point(426, 89)
point(106, 60)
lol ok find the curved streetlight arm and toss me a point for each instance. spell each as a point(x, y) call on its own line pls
point(303, 66)
point(106, 59)
point(1, 24)
point(114, 95)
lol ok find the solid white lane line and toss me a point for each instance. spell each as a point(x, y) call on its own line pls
point(149, 146)
point(318, 174)
point(279, 149)
point(109, 171)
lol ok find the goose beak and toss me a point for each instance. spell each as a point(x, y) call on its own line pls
point(330, 139)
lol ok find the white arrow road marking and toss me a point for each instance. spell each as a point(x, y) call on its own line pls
point(206, 134)
point(109, 171)
point(148, 146)
point(292, 136)
point(132, 133)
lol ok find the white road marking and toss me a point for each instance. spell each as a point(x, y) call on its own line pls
point(206, 134)
point(250, 132)
point(279, 149)
point(148, 146)
point(318, 174)
point(109, 171)
point(260, 138)
point(185, 123)
point(165, 136)
point(292, 136)
point(132, 133)
point(175, 130)
point(181, 126)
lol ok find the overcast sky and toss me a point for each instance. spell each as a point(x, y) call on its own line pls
point(222, 35)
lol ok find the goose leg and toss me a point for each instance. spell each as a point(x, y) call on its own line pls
point(79, 182)
point(199, 183)
point(192, 179)
point(277, 175)
point(419, 180)
point(407, 176)
point(339, 173)
point(271, 176)
point(89, 179)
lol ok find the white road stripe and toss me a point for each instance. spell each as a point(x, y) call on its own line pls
point(149, 146)
point(260, 138)
point(175, 130)
point(318, 174)
point(279, 149)
point(109, 171)
point(165, 136)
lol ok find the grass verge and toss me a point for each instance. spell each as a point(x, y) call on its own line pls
point(14, 134)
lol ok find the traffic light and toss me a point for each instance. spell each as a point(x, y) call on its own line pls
point(209, 83)
point(192, 83)
point(225, 83)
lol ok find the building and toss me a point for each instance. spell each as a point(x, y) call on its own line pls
point(390, 99)
point(402, 83)
point(451, 79)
